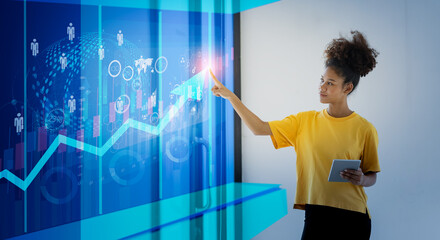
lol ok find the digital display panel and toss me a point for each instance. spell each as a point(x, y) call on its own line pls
point(108, 108)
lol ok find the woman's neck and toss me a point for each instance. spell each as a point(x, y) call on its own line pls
point(339, 110)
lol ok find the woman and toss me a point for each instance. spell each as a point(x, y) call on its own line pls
point(333, 210)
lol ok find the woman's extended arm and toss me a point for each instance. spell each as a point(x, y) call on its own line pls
point(255, 124)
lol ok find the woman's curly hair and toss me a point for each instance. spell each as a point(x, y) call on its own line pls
point(351, 59)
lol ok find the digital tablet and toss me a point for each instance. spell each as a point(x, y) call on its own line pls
point(340, 165)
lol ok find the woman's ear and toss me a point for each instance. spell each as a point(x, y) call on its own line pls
point(348, 88)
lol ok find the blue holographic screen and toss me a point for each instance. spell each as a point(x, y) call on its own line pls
point(109, 108)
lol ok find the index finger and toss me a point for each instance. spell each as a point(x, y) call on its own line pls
point(217, 82)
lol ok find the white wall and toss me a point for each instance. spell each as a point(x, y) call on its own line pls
point(282, 60)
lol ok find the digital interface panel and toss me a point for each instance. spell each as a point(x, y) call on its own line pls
point(107, 108)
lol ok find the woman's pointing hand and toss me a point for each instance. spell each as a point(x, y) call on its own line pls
point(219, 89)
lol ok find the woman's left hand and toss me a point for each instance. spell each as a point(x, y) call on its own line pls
point(354, 176)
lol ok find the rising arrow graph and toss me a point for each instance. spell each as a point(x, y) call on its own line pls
point(195, 82)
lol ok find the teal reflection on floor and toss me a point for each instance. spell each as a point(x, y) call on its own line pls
point(231, 211)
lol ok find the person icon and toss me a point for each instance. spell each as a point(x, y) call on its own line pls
point(63, 61)
point(101, 53)
point(71, 31)
point(18, 123)
point(34, 47)
point(120, 38)
point(119, 105)
point(71, 104)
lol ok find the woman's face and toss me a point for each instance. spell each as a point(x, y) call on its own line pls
point(331, 87)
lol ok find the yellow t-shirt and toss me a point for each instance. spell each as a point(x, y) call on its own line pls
point(318, 138)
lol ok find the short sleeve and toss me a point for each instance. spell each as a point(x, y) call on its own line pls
point(370, 158)
point(284, 132)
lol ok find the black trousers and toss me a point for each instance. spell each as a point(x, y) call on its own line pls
point(323, 222)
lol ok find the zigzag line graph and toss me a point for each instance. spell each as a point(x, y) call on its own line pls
point(196, 81)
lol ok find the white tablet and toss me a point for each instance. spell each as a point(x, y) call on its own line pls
point(340, 165)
